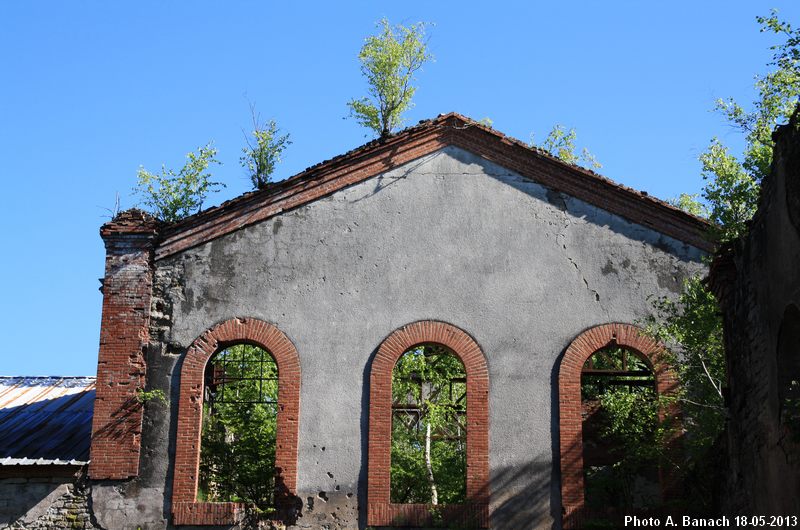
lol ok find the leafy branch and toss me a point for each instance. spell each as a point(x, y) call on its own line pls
point(389, 62)
point(172, 195)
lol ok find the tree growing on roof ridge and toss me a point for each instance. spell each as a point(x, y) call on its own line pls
point(560, 142)
point(263, 151)
point(389, 61)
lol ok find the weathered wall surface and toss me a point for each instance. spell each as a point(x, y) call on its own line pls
point(44, 503)
point(758, 284)
point(449, 237)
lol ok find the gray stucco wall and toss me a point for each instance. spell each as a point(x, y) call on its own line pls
point(449, 237)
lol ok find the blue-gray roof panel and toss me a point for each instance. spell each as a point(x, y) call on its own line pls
point(45, 420)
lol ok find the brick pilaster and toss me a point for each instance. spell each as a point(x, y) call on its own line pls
point(127, 289)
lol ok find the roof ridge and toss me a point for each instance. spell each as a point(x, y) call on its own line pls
point(426, 136)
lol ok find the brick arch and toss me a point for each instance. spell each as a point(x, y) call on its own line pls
point(569, 396)
point(185, 508)
point(380, 510)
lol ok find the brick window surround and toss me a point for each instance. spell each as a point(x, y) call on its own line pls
point(185, 508)
point(569, 401)
point(380, 510)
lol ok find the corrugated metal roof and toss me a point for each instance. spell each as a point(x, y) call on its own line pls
point(45, 420)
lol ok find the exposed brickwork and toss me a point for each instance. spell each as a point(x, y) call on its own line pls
point(117, 421)
point(415, 142)
point(185, 509)
point(569, 398)
point(207, 513)
point(380, 511)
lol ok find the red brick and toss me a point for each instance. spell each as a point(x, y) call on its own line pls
point(185, 508)
point(380, 511)
point(124, 332)
point(569, 398)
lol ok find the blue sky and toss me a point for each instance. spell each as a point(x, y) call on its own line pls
point(93, 90)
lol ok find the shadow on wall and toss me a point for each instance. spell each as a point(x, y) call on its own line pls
point(364, 428)
point(24, 500)
point(521, 496)
point(556, 501)
point(526, 496)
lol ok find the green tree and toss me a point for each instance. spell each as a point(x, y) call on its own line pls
point(263, 150)
point(733, 183)
point(171, 195)
point(428, 462)
point(237, 462)
point(690, 203)
point(623, 427)
point(560, 142)
point(692, 325)
point(389, 62)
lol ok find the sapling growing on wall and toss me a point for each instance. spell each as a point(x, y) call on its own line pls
point(389, 62)
point(560, 142)
point(147, 396)
point(172, 195)
point(263, 151)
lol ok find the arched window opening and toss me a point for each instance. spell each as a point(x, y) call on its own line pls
point(231, 369)
point(239, 430)
point(789, 371)
point(425, 373)
point(620, 431)
point(429, 429)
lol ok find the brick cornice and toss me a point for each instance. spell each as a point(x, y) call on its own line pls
point(587, 186)
point(569, 397)
point(185, 508)
point(380, 510)
point(380, 156)
point(133, 221)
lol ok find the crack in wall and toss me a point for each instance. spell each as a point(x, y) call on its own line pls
point(559, 201)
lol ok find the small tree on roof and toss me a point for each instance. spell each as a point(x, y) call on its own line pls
point(389, 61)
point(263, 151)
point(172, 195)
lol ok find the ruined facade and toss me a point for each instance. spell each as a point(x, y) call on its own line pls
point(446, 233)
point(757, 282)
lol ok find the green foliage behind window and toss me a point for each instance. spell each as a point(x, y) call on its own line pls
point(237, 460)
point(428, 427)
point(622, 436)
